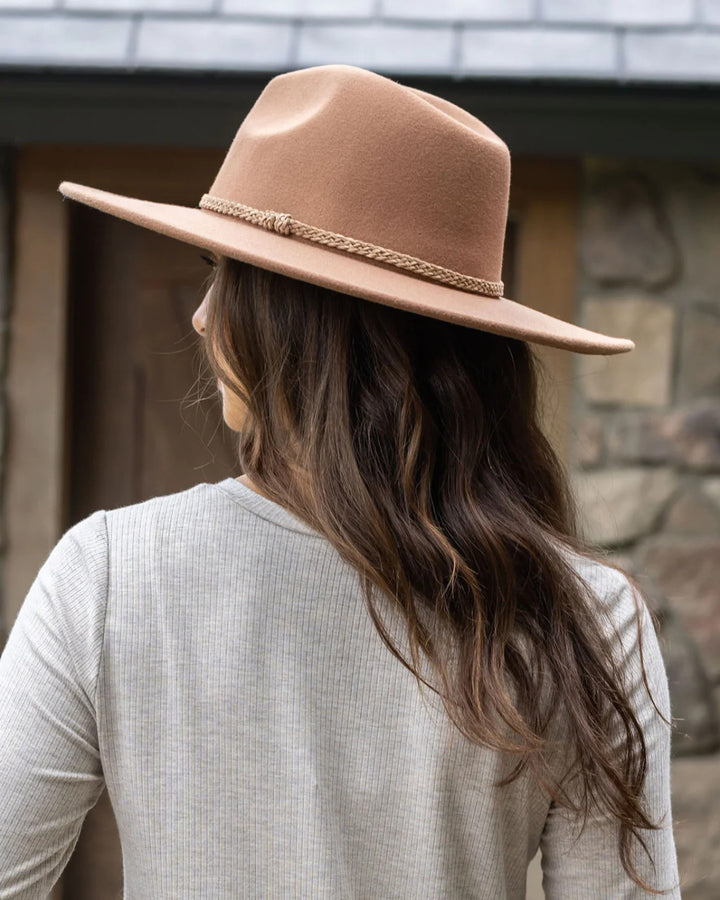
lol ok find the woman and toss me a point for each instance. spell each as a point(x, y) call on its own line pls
point(381, 663)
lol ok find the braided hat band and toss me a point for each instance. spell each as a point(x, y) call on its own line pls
point(285, 224)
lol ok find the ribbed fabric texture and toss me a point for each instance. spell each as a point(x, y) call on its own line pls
point(209, 657)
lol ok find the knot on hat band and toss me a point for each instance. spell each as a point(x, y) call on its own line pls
point(283, 223)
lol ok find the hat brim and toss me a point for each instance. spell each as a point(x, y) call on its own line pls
point(318, 264)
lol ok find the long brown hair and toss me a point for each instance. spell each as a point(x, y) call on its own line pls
point(414, 446)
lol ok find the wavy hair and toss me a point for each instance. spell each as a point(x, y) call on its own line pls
point(414, 446)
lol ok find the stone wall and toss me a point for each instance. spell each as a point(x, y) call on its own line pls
point(646, 454)
point(5, 290)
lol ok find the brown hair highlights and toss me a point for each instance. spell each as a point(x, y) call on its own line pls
point(414, 446)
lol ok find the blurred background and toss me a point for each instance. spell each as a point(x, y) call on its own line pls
point(611, 113)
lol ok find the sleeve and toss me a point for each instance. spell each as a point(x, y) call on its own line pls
point(50, 771)
point(582, 866)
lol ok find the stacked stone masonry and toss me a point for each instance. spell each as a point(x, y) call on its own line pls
point(5, 289)
point(646, 448)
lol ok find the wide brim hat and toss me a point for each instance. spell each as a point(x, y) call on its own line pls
point(347, 179)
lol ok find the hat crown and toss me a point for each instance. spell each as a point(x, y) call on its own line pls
point(349, 151)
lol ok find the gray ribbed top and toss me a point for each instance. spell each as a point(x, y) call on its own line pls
point(209, 657)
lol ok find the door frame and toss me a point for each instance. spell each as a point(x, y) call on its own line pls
point(544, 202)
point(36, 473)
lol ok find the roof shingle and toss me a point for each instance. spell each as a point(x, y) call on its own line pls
point(612, 40)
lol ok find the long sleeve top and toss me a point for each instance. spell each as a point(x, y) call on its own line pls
point(209, 658)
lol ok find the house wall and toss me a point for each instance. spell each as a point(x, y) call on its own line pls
point(5, 290)
point(646, 451)
point(646, 454)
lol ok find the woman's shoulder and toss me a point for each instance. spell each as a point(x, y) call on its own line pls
point(164, 525)
point(628, 619)
point(600, 574)
point(170, 512)
point(162, 502)
point(611, 590)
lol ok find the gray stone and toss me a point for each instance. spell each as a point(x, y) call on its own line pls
point(5, 227)
point(640, 437)
point(687, 571)
point(625, 236)
point(3, 335)
point(405, 47)
point(695, 433)
point(699, 373)
point(622, 559)
point(621, 505)
point(693, 512)
point(692, 201)
point(696, 824)
point(711, 488)
point(588, 52)
point(688, 437)
point(657, 601)
point(589, 442)
point(642, 377)
point(6, 177)
point(692, 698)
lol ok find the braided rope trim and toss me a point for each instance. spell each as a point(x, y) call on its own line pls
point(285, 224)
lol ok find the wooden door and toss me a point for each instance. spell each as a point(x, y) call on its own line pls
point(142, 421)
point(144, 415)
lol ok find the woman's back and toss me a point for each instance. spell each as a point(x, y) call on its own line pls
point(210, 656)
point(227, 669)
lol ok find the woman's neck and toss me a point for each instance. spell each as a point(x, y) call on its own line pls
point(245, 479)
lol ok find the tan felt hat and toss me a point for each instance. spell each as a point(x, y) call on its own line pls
point(347, 179)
